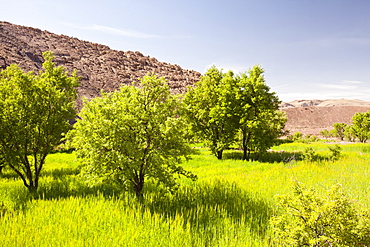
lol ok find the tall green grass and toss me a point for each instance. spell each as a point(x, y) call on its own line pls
point(230, 204)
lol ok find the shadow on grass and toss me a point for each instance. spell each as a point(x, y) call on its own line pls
point(204, 207)
point(267, 157)
point(8, 173)
point(53, 185)
point(63, 183)
point(207, 205)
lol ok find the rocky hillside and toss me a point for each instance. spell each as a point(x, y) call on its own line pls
point(313, 116)
point(103, 68)
point(99, 66)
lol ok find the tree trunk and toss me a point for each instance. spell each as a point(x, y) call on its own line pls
point(245, 155)
point(246, 152)
point(32, 188)
point(219, 154)
point(138, 186)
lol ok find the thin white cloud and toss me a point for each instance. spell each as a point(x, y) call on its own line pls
point(122, 32)
point(281, 86)
point(114, 31)
point(339, 87)
point(322, 93)
point(352, 82)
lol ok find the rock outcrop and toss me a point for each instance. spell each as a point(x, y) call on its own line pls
point(99, 66)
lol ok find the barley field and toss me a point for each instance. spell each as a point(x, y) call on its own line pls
point(230, 204)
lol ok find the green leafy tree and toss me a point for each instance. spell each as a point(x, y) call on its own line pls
point(132, 135)
point(257, 110)
point(34, 114)
point(338, 131)
point(325, 133)
point(361, 126)
point(210, 110)
point(223, 104)
point(349, 134)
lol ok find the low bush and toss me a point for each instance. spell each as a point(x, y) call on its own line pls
point(309, 219)
point(299, 137)
point(309, 154)
point(335, 152)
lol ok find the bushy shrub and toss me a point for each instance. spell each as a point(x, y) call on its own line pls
point(313, 220)
point(325, 133)
point(295, 136)
point(335, 152)
point(309, 154)
point(299, 137)
point(310, 138)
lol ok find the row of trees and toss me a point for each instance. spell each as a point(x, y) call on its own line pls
point(358, 130)
point(137, 133)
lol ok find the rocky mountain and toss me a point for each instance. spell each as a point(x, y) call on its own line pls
point(103, 68)
point(99, 66)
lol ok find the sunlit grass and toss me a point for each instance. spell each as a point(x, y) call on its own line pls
point(229, 205)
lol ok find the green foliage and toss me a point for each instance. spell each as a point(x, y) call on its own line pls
point(359, 129)
point(299, 137)
point(259, 119)
point(338, 131)
point(349, 134)
point(310, 155)
point(132, 135)
point(296, 136)
point(311, 138)
point(222, 104)
point(34, 114)
point(325, 133)
point(210, 112)
point(313, 220)
point(335, 152)
point(361, 126)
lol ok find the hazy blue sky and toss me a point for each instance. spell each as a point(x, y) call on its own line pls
point(310, 49)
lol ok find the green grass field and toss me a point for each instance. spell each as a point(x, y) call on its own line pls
point(230, 204)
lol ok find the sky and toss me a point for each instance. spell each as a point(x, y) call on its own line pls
point(309, 49)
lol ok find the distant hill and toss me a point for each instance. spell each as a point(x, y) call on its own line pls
point(99, 66)
point(328, 102)
point(313, 116)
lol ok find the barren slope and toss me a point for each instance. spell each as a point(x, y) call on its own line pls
point(313, 119)
point(99, 66)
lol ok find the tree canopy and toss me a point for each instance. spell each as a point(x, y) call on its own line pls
point(221, 105)
point(259, 119)
point(209, 110)
point(34, 114)
point(360, 128)
point(132, 135)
